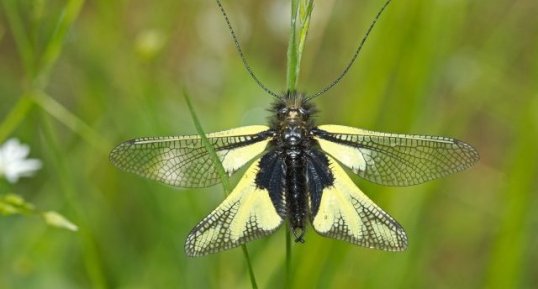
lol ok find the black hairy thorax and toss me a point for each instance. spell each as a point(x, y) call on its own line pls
point(292, 160)
point(291, 118)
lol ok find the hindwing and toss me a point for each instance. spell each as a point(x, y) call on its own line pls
point(248, 213)
point(395, 159)
point(183, 161)
point(345, 213)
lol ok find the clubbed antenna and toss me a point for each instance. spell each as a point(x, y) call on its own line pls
point(240, 51)
point(344, 72)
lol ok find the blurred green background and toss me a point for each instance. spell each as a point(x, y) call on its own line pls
point(77, 78)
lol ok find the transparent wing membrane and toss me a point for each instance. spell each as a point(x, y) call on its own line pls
point(395, 159)
point(183, 161)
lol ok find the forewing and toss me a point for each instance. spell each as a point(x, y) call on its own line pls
point(345, 213)
point(395, 159)
point(183, 161)
point(246, 214)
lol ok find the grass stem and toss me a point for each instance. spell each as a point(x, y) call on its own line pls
point(222, 174)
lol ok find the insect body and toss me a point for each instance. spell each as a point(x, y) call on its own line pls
point(296, 175)
point(293, 151)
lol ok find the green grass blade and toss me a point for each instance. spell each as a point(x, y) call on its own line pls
point(250, 268)
point(288, 256)
point(301, 11)
point(304, 13)
point(222, 174)
point(291, 71)
point(67, 185)
point(14, 117)
point(70, 120)
point(54, 46)
point(24, 45)
point(214, 158)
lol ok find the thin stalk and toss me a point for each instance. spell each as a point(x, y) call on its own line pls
point(222, 175)
point(250, 268)
point(288, 256)
point(301, 11)
point(20, 34)
point(15, 116)
point(69, 119)
point(54, 45)
point(291, 71)
point(305, 12)
point(67, 185)
point(208, 146)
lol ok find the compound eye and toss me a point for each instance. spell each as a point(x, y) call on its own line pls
point(283, 111)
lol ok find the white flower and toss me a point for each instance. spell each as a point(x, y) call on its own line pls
point(13, 162)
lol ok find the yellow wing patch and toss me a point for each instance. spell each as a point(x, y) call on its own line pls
point(333, 128)
point(351, 157)
point(234, 158)
point(345, 213)
point(246, 214)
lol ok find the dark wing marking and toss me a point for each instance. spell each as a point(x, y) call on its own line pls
point(183, 161)
point(345, 213)
point(246, 214)
point(271, 177)
point(318, 177)
point(395, 159)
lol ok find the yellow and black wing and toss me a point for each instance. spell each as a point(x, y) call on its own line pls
point(395, 159)
point(183, 161)
point(343, 212)
point(246, 214)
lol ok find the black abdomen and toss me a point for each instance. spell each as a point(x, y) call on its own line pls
point(295, 187)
